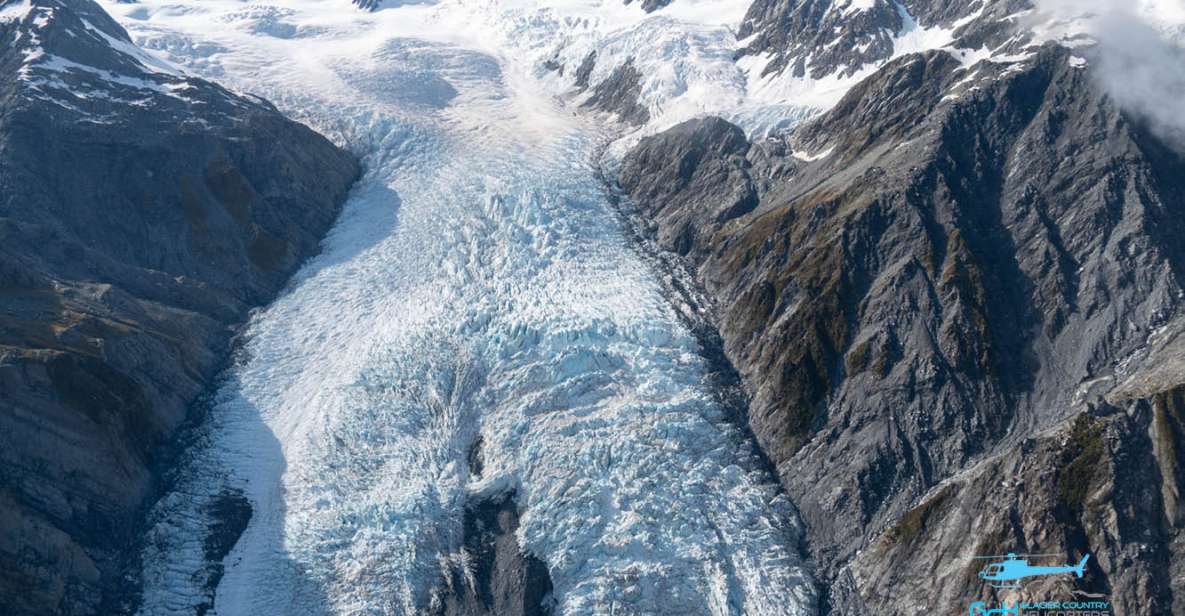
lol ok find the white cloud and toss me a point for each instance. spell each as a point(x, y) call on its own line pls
point(1140, 62)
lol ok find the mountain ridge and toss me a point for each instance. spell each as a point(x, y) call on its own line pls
point(143, 213)
point(941, 254)
point(803, 240)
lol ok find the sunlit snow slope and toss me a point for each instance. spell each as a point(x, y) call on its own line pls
point(476, 284)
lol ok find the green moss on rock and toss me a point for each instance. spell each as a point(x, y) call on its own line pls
point(1082, 455)
point(911, 525)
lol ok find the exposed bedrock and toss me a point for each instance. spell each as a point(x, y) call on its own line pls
point(142, 214)
point(617, 94)
point(494, 576)
point(935, 294)
point(817, 38)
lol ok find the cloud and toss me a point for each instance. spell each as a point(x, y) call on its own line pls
point(1136, 58)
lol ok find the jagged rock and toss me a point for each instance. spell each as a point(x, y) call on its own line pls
point(495, 577)
point(142, 214)
point(584, 71)
point(1087, 487)
point(817, 38)
point(618, 93)
point(924, 290)
point(650, 6)
point(230, 511)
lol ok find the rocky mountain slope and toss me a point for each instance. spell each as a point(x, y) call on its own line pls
point(955, 301)
point(824, 38)
point(142, 214)
point(953, 296)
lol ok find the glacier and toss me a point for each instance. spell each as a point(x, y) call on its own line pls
point(477, 285)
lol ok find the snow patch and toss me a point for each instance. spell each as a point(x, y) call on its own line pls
point(15, 10)
point(808, 157)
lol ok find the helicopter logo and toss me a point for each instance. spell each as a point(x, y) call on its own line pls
point(980, 608)
point(1008, 572)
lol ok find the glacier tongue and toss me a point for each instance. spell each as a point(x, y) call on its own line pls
point(477, 284)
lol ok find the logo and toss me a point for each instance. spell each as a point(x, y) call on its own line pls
point(1042, 608)
point(1011, 569)
point(979, 608)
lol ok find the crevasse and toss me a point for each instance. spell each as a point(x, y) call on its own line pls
point(477, 283)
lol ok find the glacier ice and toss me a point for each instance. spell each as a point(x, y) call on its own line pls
point(477, 284)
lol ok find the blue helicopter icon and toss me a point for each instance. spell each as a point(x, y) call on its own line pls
point(1013, 568)
point(980, 608)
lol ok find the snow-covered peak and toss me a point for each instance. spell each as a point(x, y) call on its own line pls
point(70, 57)
point(661, 66)
point(765, 64)
point(57, 33)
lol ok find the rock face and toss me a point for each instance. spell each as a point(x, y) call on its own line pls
point(818, 38)
point(496, 578)
point(650, 6)
point(954, 303)
point(142, 214)
point(618, 94)
point(492, 576)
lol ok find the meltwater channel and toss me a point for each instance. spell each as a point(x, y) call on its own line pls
point(477, 285)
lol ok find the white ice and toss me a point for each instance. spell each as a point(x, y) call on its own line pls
point(476, 283)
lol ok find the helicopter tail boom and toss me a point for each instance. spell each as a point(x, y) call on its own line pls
point(1081, 567)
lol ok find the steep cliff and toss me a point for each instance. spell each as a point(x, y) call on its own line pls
point(933, 293)
point(142, 214)
point(820, 38)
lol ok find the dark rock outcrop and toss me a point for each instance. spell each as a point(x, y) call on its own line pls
point(584, 71)
point(939, 295)
point(650, 6)
point(495, 577)
point(142, 214)
point(618, 93)
point(817, 38)
point(492, 575)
